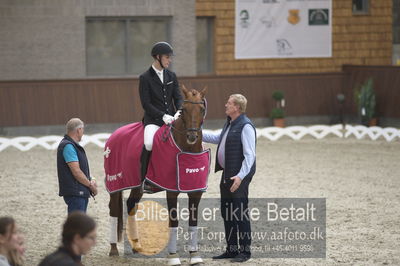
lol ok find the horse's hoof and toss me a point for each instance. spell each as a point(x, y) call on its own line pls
point(113, 253)
point(195, 258)
point(136, 246)
point(173, 259)
point(113, 250)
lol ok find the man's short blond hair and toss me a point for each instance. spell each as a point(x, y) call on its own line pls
point(73, 124)
point(240, 101)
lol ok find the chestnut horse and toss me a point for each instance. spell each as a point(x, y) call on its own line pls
point(187, 133)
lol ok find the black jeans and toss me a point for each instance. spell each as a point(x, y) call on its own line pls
point(234, 211)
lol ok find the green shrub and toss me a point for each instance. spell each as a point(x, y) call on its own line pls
point(278, 95)
point(366, 101)
point(277, 113)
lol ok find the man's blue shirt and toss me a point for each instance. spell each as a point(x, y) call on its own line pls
point(70, 154)
point(248, 138)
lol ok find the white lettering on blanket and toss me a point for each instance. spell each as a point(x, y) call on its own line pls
point(194, 170)
point(114, 177)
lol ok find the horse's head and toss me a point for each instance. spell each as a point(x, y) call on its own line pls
point(193, 112)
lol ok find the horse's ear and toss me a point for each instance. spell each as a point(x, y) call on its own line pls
point(203, 92)
point(185, 91)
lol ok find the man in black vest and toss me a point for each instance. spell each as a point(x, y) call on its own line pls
point(75, 183)
point(160, 97)
point(236, 157)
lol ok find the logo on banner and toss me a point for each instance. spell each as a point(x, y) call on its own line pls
point(268, 21)
point(244, 18)
point(318, 17)
point(293, 17)
point(283, 47)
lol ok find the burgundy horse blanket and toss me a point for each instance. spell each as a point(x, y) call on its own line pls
point(169, 167)
point(174, 170)
point(122, 158)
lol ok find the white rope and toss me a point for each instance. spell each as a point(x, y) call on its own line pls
point(270, 133)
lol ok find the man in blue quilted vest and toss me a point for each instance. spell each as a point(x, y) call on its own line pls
point(75, 183)
point(236, 157)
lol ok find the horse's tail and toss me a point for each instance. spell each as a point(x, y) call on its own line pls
point(116, 214)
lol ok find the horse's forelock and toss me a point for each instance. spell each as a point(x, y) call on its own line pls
point(194, 95)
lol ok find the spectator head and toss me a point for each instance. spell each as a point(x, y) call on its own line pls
point(75, 129)
point(79, 233)
point(8, 235)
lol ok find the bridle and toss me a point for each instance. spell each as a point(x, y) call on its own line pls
point(201, 124)
point(184, 132)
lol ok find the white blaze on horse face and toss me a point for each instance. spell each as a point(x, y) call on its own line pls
point(195, 122)
point(191, 138)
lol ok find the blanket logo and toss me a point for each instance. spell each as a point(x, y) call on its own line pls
point(194, 170)
point(107, 152)
point(114, 177)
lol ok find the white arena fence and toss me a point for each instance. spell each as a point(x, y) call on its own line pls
point(271, 133)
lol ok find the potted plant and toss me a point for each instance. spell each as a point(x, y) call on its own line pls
point(366, 103)
point(277, 113)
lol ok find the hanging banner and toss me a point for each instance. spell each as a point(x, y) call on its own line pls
point(283, 28)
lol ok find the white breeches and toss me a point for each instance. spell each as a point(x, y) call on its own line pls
point(149, 132)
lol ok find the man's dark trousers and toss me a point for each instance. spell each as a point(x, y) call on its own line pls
point(76, 203)
point(236, 222)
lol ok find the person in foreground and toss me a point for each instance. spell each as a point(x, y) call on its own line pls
point(78, 237)
point(75, 183)
point(11, 243)
point(236, 157)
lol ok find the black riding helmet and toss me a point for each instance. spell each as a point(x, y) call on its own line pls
point(161, 48)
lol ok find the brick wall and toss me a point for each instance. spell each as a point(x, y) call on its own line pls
point(45, 39)
point(357, 39)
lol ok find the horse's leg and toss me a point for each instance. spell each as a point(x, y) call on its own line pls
point(115, 207)
point(131, 225)
point(134, 197)
point(194, 200)
point(172, 201)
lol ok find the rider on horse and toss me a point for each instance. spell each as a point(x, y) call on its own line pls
point(160, 97)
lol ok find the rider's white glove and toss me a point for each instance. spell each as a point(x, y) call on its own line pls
point(177, 114)
point(168, 119)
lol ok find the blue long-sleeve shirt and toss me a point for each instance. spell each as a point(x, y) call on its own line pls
point(249, 148)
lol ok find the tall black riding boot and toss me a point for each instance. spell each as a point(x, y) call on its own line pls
point(144, 162)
